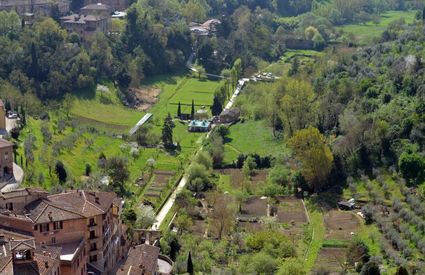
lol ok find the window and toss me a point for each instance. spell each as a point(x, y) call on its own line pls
point(58, 225)
point(44, 227)
point(9, 206)
point(53, 240)
point(93, 258)
point(35, 227)
point(6, 156)
point(92, 234)
point(92, 222)
point(93, 247)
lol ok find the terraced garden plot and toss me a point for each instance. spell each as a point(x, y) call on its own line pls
point(341, 225)
point(332, 259)
point(254, 206)
point(237, 178)
point(159, 183)
point(290, 210)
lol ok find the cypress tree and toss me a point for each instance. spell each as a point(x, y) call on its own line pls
point(423, 15)
point(167, 130)
point(192, 112)
point(189, 264)
point(216, 108)
point(179, 110)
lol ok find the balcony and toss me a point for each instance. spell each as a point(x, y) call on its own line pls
point(93, 238)
point(91, 225)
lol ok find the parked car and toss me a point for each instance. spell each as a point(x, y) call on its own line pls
point(12, 115)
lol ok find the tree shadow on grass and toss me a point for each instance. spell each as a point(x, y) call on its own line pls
point(87, 93)
point(326, 200)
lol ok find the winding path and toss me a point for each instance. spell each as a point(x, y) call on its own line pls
point(170, 202)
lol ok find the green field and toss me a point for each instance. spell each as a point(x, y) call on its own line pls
point(102, 118)
point(366, 32)
point(251, 137)
point(181, 89)
point(104, 110)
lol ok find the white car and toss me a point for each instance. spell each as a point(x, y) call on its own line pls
point(12, 115)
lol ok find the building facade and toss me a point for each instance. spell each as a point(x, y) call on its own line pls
point(6, 159)
point(115, 5)
point(37, 7)
point(85, 225)
point(20, 255)
point(92, 18)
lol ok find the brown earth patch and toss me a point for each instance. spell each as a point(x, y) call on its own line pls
point(254, 206)
point(331, 259)
point(340, 225)
point(145, 96)
point(291, 210)
point(237, 178)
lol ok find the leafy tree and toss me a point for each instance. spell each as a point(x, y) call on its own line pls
point(411, 165)
point(401, 271)
point(370, 268)
point(145, 216)
point(259, 263)
point(292, 266)
point(223, 131)
point(275, 243)
point(117, 169)
point(279, 175)
point(130, 216)
point(204, 159)
point(314, 155)
point(297, 110)
point(61, 172)
point(222, 219)
point(101, 162)
point(216, 149)
point(249, 166)
point(198, 180)
point(183, 221)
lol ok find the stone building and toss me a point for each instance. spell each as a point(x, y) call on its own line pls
point(92, 18)
point(37, 7)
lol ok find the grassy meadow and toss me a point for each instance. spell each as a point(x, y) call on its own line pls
point(251, 136)
point(364, 33)
point(102, 119)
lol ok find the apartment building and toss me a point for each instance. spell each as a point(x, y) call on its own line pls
point(86, 225)
point(19, 255)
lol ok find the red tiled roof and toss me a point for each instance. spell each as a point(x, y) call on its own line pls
point(85, 203)
point(4, 143)
point(141, 259)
